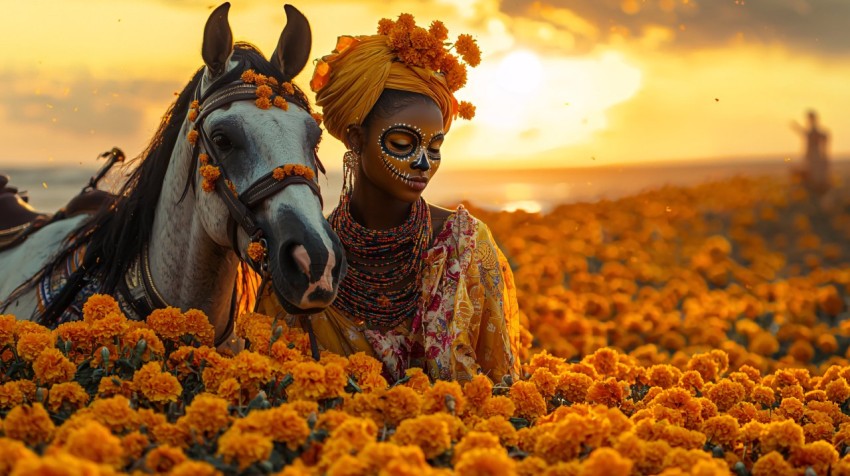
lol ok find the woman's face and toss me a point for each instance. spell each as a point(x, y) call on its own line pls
point(401, 152)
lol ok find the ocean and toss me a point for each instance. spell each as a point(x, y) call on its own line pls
point(50, 188)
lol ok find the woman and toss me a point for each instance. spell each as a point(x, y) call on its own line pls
point(426, 287)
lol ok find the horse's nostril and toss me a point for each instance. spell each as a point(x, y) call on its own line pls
point(302, 259)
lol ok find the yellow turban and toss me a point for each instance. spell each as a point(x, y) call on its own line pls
point(349, 82)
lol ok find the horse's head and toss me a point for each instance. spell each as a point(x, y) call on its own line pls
point(256, 165)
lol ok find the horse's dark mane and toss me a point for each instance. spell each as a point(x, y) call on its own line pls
point(116, 235)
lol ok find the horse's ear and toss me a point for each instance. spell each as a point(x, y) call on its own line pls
point(293, 48)
point(218, 40)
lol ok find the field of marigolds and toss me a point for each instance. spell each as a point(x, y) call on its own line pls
point(696, 330)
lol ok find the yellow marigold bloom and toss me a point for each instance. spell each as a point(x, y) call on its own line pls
point(164, 458)
point(529, 403)
point(198, 325)
point(466, 110)
point(772, 464)
point(30, 345)
point(781, 436)
point(206, 415)
point(284, 425)
point(417, 380)
point(11, 395)
point(156, 386)
point(153, 345)
point(308, 382)
point(168, 323)
point(68, 395)
point(12, 452)
point(475, 440)
point(112, 386)
point(194, 468)
point(485, 461)
point(608, 392)
point(105, 330)
point(98, 306)
point(60, 463)
point(231, 390)
point(134, 445)
point(605, 461)
point(331, 419)
point(173, 435)
point(478, 390)
point(818, 455)
point(531, 466)
point(838, 391)
point(498, 406)
point(28, 327)
point(692, 381)
point(574, 386)
point(96, 443)
point(216, 370)
point(347, 465)
point(429, 432)
point(264, 91)
point(51, 367)
point(360, 365)
point(564, 440)
point(725, 394)
point(401, 403)
point(722, 430)
point(7, 329)
point(438, 397)
point(116, 413)
point(30, 424)
point(499, 427)
point(251, 369)
point(244, 449)
point(77, 333)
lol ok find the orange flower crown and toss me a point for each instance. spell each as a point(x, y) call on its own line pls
point(418, 47)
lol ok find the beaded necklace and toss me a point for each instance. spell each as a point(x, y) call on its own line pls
point(381, 288)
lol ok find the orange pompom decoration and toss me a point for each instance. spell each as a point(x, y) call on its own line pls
point(281, 103)
point(192, 137)
point(210, 173)
point(263, 103)
point(466, 110)
point(287, 170)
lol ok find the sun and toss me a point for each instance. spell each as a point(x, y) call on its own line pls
point(520, 72)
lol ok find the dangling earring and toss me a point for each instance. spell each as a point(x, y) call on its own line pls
point(349, 164)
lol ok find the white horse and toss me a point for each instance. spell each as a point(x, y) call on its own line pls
point(167, 241)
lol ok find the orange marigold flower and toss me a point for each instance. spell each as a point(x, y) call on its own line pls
point(30, 424)
point(173, 435)
point(248, 76)
point(417, 380)
point(192, 137)
point(10, 395)
point(838, 391)
point(490, 461)
point(264, 91)
point(59, 463)
point(438, 29)
point(168, 323)
point(210, 173)
point(529, 403)
point(385, 26)
point(194, 468)
point(7, 329)
point(308, 382)
point(287, 88)
point(284, 425)
point(546, 382)
point(163, 458)
point(498, 406)
point(206, 415)
point(725, 394)
point(454, 72)
point(468, 49)
point(478, 390)
point(401, 403)
point(608, 392)
point(772, 464)
point(69, 395)
point(722, 430)
point(251, 368)
point(153, 345)
point(193, 114)
point(104, 331)
point(156, 386)
point(99, 306)
point(95, 442)
point(197, 324)
point(574, 386)
point(12, 452)
point(263, 103)
point(441, 396)
point(475, 440)
point(692, 381)
point(500, 427)
point(429, 432)
point(281, 103)
point(605, 461)
point(203, 159)
point(32, 344)
point(134, 445)
point(781, 436)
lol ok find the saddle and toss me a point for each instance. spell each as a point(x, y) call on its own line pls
point(18, 219)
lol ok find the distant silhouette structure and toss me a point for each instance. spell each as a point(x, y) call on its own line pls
point(815, 170)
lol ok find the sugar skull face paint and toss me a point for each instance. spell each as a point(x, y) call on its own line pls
point(401, 152)
point(405, 149)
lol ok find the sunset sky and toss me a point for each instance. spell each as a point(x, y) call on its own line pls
point(562, 82)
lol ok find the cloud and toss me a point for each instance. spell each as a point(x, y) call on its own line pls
point(82, 104)
point(817, 26)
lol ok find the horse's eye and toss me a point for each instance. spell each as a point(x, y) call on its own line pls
point(222, 142)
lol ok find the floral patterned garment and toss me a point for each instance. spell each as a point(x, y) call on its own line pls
point(467, 322)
